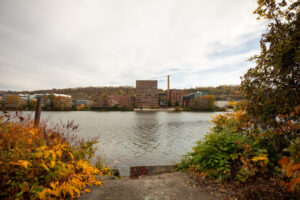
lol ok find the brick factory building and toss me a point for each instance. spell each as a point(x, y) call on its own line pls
point(146, 94)
point(176, 96)
point(122, 100)
point(162, 99)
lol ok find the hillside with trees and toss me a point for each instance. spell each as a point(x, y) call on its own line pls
point(90, 93)
point(223, 92)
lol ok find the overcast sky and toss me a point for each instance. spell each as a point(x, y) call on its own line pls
point(61, 43)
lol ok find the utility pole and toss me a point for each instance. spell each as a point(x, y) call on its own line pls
point(38, 112)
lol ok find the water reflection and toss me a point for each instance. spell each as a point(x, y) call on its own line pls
point(145, 135)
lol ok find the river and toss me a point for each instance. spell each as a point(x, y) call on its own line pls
point(137, 138)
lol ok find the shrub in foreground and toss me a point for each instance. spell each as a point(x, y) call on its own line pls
point(237, 150)
point(40, 163)
point(226, 155)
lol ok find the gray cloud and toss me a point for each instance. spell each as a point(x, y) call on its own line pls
point(67, 43)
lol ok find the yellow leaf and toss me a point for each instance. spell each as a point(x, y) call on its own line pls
point(45, 167)
point(43, 194)
point(46, 154)
point(52, 164)
point(64, 147)
point(53, 185)
point(53, 154)
point(71, 155)
point(99, 183)
point(261, 157)
point(87, 190)
point(71, 192)
point(56, 192)
point(59, 152)
point(63, 189)
point(67, 188)
point(42, 148)
point(22, 163)
point(77, 192)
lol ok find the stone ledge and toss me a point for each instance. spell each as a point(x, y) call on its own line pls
point(136, 171)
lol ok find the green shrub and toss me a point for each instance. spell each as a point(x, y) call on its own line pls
point(225, 153)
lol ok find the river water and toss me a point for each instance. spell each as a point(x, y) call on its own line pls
point(137, 138)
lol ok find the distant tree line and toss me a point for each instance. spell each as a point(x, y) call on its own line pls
point(223, 92)
point(89, 93)
point(50, 102)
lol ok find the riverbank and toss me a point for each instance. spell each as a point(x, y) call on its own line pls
point(171, 109)
point(154, 109)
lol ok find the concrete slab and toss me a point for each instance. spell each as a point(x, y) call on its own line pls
point(136, 171)
point(167, 186)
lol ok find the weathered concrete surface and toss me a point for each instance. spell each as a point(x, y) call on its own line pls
point(136, 171)
point(167, 186)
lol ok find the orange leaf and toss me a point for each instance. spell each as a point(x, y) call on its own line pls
point(291, 185)
point(38, 155)
point(296, 166)
point(297, 109)
point(289, 170)
point(284, 161)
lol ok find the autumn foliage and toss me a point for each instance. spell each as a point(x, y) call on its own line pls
point(290, 166)
point(61, 103)
point(14, 102)
point(40, 163)
point(202, 103)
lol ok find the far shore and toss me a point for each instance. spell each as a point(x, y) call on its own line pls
point(134, 110)
point(154, 109)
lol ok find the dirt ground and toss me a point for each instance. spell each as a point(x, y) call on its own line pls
point(167, 186)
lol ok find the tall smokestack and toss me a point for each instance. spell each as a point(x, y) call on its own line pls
point(168, 82)
point(168, 93)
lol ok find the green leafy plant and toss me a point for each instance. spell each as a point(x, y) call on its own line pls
point(225, 152)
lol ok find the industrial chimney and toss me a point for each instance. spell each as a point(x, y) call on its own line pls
point(168, 93)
